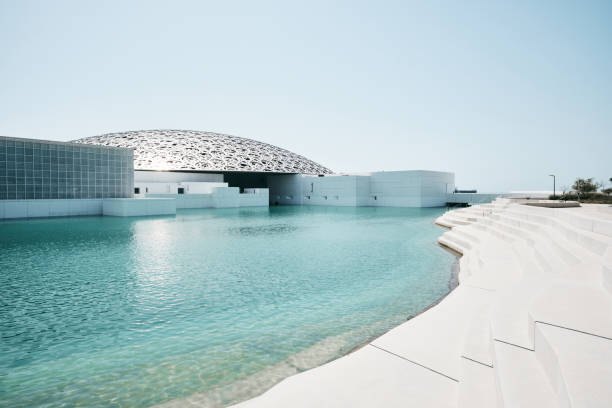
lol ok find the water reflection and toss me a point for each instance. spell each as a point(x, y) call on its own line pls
point(256, 230)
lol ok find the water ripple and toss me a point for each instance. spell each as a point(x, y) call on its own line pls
point(212, 305)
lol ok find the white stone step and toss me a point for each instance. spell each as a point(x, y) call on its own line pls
point(463, 216)
point(566, 250)
point(520, 380)
point(434, 339)
point(586, 221)
point(510, 312)
point(494, 230)
point(470, 264)
point(443, 221)
point(475, 229)
point(510, 319)
point(459, 238)
point(578, 365)
point(516, 310)
point(593, 242)
point(478, 343)
point(517, 227)
point(464, 233)
point(606, 274)
point(515, 232)
point(548, 259)
point(582, 307)
point(442, 240)
point(528, 214)
point(567, 260)
point(569, 252)
point(499, 338)
point(474, 215)
point(498, 266)
point(476, 385)
point(557, 242)
point(530, 265)
point(368, 377)
point(456, 220)
point(479, 211)
point(514, 220)
point(518, 222)
point(501, 216)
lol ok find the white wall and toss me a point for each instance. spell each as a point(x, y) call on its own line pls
point(190, 187)
point(255, 197)
point(364, 193)
point(175, 177)
point(418, 188)
point(77, 207)
point(222, 197)
point(153, 204)
point(285, 189)
point(434, 187)
point(337, 190)
point(156, 188)
point(49, 208)
point(226, 197)
point(201, 188)
point(129, 207)
point(415, 188)
point(397, 189)
point(187, 200)
point(168, 182)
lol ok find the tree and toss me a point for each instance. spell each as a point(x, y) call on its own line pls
point(585, 185)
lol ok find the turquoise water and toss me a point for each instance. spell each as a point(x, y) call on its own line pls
point(132, 312)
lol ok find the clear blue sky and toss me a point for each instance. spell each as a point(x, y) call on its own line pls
point(501, 93)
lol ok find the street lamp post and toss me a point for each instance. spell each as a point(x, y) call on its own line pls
point(554, 184)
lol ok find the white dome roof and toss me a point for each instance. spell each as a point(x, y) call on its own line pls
point(205, 151)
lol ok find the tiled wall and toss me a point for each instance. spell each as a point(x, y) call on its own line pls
point(37, 169)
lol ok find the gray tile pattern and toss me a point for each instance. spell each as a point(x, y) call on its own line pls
point(38, 169)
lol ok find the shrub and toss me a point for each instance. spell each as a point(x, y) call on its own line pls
point(585, 185)
point(590, 198)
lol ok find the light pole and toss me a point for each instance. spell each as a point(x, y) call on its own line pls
point(554, 184)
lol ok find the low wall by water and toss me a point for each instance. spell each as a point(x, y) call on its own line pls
point(413, 188)
point(14, 209)
point(221, 197)
point(152, 204)
point(132, 207)
point(254, 197)
point(49, 208)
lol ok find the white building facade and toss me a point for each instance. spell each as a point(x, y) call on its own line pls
point(158, 171)
point(411, 188)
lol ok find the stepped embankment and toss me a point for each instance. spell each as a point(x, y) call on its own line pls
point(529, 325)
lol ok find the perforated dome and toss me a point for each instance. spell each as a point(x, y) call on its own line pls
point(205, 151)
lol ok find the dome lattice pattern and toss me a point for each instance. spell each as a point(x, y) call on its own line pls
point(205, 151)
